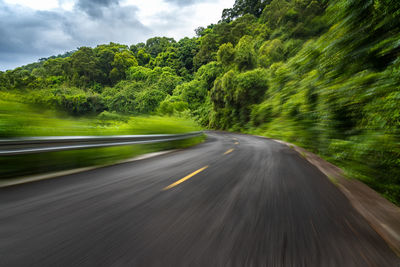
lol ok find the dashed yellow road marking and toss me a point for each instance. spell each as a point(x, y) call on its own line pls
point(236, 143)
point(185, 178)
point(228, 151)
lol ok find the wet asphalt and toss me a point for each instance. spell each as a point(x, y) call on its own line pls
point(253, 202)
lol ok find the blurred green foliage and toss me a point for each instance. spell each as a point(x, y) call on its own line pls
point(321, 74)
point(17, 120)
point(325, 75)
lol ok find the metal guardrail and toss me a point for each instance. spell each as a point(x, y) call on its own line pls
point(29, 145)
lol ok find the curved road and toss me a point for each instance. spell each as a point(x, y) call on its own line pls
point(235, 200)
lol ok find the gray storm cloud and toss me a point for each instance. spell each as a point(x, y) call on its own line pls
point(94, 8)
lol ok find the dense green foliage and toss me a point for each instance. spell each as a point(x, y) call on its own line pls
point(109, 77)
point(319, 73)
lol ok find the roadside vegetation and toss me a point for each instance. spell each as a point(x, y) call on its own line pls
point(321, 74)
point(18, 120)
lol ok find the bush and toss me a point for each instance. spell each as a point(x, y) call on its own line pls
point(244, 54)
point(226, 54)
point(172, 105)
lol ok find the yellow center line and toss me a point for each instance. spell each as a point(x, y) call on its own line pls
point(185, 178)
point(228, 151)
point(236, 143)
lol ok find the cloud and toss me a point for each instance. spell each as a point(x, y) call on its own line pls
point(186, 2)
point(27, 34)
point(94, 8)
point(180, 21)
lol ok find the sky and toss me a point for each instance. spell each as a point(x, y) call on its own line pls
point(33, 29)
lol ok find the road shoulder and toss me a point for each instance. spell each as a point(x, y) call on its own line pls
point(52, 175)
point(382, 215)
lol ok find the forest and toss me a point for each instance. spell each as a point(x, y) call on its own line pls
point(321, 74)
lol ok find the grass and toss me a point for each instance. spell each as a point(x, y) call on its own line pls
point(333, 180)
point(18, 120)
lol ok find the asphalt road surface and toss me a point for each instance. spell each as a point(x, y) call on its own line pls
point(234, 200)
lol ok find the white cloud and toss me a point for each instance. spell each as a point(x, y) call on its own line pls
point(67, 5)
point(148, 9)
point(168, 18)
point(35, 5)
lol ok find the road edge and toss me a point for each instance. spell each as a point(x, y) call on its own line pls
point(34, 178)
point(382, 215)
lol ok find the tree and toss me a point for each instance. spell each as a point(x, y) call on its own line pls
point(4, 81)
point(167, 81)
point(228, 86)
point(138, 73)
point(274, 13)
point(209, 45)
point(148, 100)
point(193, 92)
point(187, 49)
point(142, 57)
point(171, 105)
point(244, 25)
point(168, 58)
point(105, 56)
point(53, 67)
point(122, 62)
point(226, 54)
point(244, 54)
point(156, 45)
point(270, 52)
point(250, 86)
point(82, 67)
point(208, 73)
point(242, 7)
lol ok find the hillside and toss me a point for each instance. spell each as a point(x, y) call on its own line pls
point(322, 74)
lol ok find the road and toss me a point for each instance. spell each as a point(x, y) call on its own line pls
point(235, 200)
